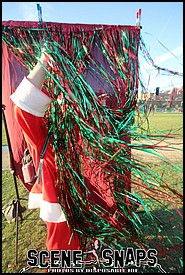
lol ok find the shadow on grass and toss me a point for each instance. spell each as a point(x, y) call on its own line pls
point(165, 234)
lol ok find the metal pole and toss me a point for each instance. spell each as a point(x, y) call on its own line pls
point(10, 152)
point(15, 182)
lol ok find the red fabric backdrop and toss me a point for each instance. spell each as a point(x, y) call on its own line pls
point(13, 72)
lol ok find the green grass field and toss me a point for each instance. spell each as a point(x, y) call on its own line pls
point(4, 139)
point(166, 121)
point(163, 122)
point(32, 230)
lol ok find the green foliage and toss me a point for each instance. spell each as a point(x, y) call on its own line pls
point(155, 107)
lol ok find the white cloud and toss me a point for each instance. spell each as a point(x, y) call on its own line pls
point(151, 78)
point(176, 52)
point(164, 57)
point(48, 12)
point(28, 11)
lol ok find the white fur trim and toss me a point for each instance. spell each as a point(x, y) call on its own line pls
point(50, 212)
point(34, 200)
point(30, 99)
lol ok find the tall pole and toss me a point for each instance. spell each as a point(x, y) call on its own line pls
point(138, 18)
point(17, 203)
point(10, 152)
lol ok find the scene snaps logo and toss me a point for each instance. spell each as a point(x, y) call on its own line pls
point(94, 259)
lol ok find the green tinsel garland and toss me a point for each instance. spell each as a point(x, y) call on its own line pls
point(104, 131)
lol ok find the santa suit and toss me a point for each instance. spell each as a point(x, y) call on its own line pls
point(30, 107)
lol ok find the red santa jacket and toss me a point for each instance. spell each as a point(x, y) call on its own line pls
point(30, 107)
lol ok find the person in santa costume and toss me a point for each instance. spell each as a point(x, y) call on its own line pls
point(30, 106)
point(31, 102)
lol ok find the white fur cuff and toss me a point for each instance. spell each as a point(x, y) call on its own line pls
point(30, 99)
point(50, 212)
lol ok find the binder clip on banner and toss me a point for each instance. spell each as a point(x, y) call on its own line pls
point(28, 168)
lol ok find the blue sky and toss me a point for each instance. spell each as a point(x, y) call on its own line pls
point(162, 24)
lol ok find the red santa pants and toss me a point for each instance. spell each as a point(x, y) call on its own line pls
point(59, 237)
